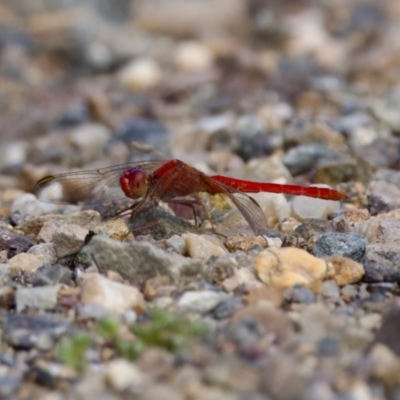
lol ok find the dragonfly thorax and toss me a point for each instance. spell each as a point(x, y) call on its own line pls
point(134, 183)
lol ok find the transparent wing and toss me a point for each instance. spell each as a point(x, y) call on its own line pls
point(251, 211)
point(88, 187)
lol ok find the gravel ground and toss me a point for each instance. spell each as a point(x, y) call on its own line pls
point(294, 91)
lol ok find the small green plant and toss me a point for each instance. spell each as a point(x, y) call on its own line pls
point(167, 330)
point(109, 329)
point(71, 350)
point(162, 329)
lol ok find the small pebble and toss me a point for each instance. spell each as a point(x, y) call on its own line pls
point(68, 239)
point(226, 308)
point(371, 321)
point(328, 346)
point(304, 208)
point(114, 228)
point(28, 204)
point(24, 262)
point(122, 374)
point(289, 266)
point(177, 243)
point(199, 247)
point(351, 245)
point(45, 252)
point(345, 270)
point(349, 291)
point(299, 294)
point(200, 302)
point(37, 298)
point(330, 290)
point(140, 75)
point(113, 296)
point(193, 57)
point(90, 139)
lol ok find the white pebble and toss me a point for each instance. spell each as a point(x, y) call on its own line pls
point(28, 204)
point(140, 75)
point(304, 208)
point(113, 296)
point(122, 374)
point(193, 56)
point(199, 247)
point(201, 302)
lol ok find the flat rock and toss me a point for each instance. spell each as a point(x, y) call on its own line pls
point(140, 261)
point(87, 219)
point(38, 298)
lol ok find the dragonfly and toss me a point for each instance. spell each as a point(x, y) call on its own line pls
point(173, 182)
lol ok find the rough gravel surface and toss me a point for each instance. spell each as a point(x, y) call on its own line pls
point(95, 305)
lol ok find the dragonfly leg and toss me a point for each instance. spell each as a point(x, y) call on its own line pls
point(191, 203)
point(208, 216)
point(124, 212)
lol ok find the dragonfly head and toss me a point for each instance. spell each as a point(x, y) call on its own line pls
point(134, 183)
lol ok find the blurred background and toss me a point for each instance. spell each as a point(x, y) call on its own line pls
point(266, 90)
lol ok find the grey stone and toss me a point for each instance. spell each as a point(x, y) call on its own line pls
point(226, 308)
point(351, 245)
point(140, 261)
point(299, 294)
point(68, 239)
point(200, 302)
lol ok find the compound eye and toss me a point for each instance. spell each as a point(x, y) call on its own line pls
point(134, 183)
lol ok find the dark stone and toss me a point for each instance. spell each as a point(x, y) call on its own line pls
point(377, 205)
point(248, 138)
point(74, 115)
point(299, 294)
point(272, 233)
point(53, 375)
point(312, 227)
point(51, 275)
point(143, 130)
point(328, 346)
point(13, 243)
point(350, 245)
point(8, 386)
point(219, 268)
point(389, 332)
point(379, 269)
point(6, 358)
point(24, 332)
point(305, 157)
point(228, 307)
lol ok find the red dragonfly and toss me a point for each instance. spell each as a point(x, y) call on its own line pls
point(174, 182)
